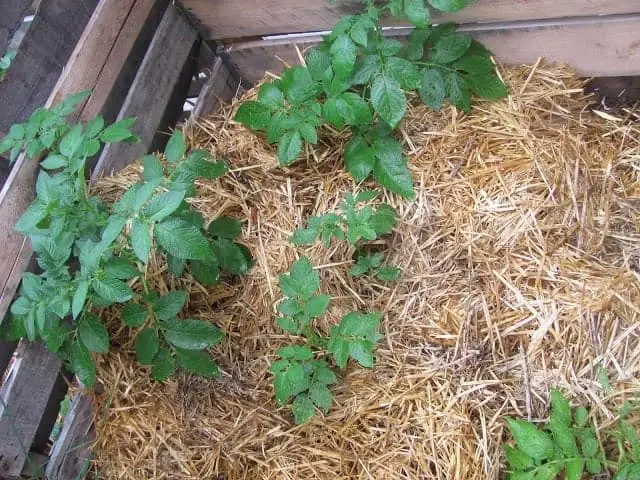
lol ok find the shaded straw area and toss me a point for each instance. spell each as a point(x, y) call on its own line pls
point(521, 257)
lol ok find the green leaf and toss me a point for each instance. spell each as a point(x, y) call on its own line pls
point(517, 460)
point(474, 64)
point(169, 305)
point(270, 96)
point(197, 362)
point(383, 220)
point(560, 408)
point(54, 161)
point(389, 274)
point(199, 165)
point(69, 104)
point(287, 324)
point(71, 142)
point(433, 89)
point(301, 281)
point(304, 236)
point(588, 442)
point(289, 147)
point(563, 437)
point(164, 365)
point(112, 289)
point(449, 5)
point(581, 416)
point(593, 466)
point(355, 337)
point(359, 158)
point(391, 167)
point(289, 306)
point(296, 352)
point(119, 131)
point(403, 71)
point(176, 265)
point(182, 240)
point(230, 256)
point(79, 298)
point(309, 133)
point(253, 115)
point(574, 468)
point(367, 70)
point(151, 168)
point(164, 204)
point(82, 364)
point(225, 227)
point(112, 231)
point(147, 346)
point(92, 334)
point(191, 334)
point(389, 47)
point(415, 43)
point(458, 92)
point(449, 48)
point(298, 86)
point(317, 305)
point(29, 220)
point(144, 192)
point(343, 55)
point(289, 381)
point(388, 100)
point(302, 409)
point(353, 109)
point(121, 268)
point(416, 12)
point(530, 440)
point(140, 240)
point(134, 314)
point(207, 273)
point(487, 85)
point(176, 147)
point(321, 396)
point(318, 61)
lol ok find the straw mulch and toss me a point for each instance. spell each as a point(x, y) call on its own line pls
point(521, 272)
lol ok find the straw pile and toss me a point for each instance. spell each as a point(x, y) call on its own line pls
point(521, 272)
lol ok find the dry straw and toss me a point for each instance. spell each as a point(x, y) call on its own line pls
point(521, 272)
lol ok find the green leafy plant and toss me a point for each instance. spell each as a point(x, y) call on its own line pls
point(5, 63)
point(353, 223)
point(627, 441)
point(93, 254)
point(371, 264)
point(303, 372)
point(358, 78)
point(567, 443)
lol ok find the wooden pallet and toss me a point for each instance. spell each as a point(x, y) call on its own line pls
point(138, 58)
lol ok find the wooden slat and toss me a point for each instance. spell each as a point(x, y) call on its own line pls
point(152, 89)
point(23, 400)
point(594, 46)
point(221, 86)
point(70, 453)
point(246, 18)
point(41, 57)
point(104, 61)
point(13, 11)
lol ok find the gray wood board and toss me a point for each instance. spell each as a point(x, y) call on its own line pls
point(224, 19)
point(42, 55)
point(153, 88)
point(23, 400)
point(594, 46)
point(13, 11)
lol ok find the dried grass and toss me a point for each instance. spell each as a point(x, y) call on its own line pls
point(521, 272)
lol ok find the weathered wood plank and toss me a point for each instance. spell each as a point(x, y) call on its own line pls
point(12, 14)
point(220, 86)
point(246, 18)
point(103, 61)
point(6, 353)
point(71, 452)
point(23, 400)
point(150, 94)
point(594, 46)
point(41, 57)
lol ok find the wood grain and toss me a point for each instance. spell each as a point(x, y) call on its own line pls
point(221, 86)
point(224, 19)
point(71, 452)
point(23, 400)
point(13, 12)
point(41, 57)
point(152, 89)
point(594, 46)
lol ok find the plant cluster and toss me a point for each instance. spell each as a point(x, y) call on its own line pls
point(5, 63)
point(91, 254)
point(358, 78)
point(303, 372)
point(568, 444)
